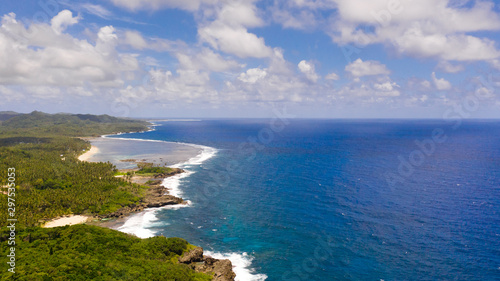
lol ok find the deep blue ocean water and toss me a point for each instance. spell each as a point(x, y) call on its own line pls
point(343, 200)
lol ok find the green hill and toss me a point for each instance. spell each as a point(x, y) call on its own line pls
point(6, 115)
point(39, 123)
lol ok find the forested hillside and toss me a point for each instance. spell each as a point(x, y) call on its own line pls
point(41, 124)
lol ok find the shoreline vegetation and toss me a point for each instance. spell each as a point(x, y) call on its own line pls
point(55, 185)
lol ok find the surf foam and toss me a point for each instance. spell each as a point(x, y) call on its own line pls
point(241, 265)
point(142, 224)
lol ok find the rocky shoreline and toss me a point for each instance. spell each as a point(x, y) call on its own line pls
point(156, 196)
point(222, 269)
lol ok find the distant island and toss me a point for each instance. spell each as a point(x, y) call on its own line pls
point(49, 181)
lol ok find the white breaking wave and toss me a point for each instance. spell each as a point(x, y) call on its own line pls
point(241, 265)
point(142, 224)
point(172, 183)
point(138, 224)
point(206, 153)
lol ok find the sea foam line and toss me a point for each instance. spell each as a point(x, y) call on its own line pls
point(241, 265)
point(140, 224)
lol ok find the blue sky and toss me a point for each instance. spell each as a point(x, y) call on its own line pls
point(249, 58)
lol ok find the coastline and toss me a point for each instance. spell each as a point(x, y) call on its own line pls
point(157, 199)
point(159, 187)
point(89, 153)
point(138, 222)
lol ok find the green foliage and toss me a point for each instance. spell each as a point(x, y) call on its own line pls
point(38, 124)
point(154, 170)
point(52, 182)
point(84, 252)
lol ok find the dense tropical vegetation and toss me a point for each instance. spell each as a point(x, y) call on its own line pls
point(50, 181)
point(84, 252)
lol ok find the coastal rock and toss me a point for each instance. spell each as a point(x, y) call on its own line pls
point(195, 255)
point(222, 270)
point(155, 197)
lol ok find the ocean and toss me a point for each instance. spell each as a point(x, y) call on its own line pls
point(334, 199)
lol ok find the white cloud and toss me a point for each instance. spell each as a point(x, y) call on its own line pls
point(252, 75)
point(379, 90)
point(234, 40)
point(205, 59)
point(44, 55)
point(426, 28)
point(188, 85)
point(360, 68)
point(62, 20)
point(387, 86)
point(441, 84)
point(135, 39)
point(332, 76)
point(448, 67)
point(239, 13)
point(308, 69)
point(228, 31)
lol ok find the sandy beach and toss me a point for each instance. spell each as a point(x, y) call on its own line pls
point(89, 153)
point(69, 220)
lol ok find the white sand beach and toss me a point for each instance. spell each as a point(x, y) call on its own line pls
point(89, 153)
point(69, 220)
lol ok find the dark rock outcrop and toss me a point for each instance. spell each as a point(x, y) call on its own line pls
point(155, 197)
point(222, 270)
point(195, 255)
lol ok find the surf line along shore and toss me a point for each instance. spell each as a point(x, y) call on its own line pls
point(155, 197)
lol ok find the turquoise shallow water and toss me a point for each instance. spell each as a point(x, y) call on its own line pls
point(312, 201)
point(115, 150)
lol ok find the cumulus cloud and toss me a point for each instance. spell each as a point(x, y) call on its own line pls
point(440, 84)
point(228, 31)
point(43, 54)
point(206, 59)
point(360, 68)
point(308, 69)
point(252, 75)
point(135, 40)
point(234, 40)
point(427, 28)
point(372, 91)
point(387, 89)
point(62, 20)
